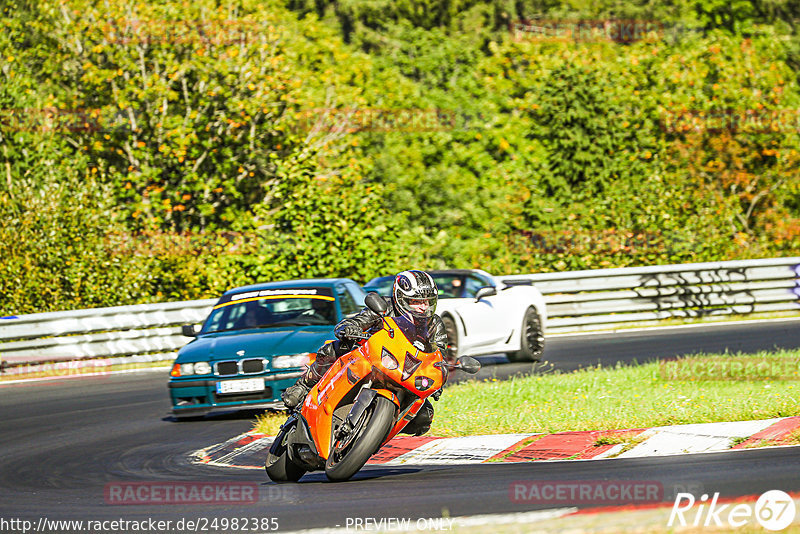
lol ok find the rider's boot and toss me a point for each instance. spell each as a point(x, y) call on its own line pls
point(326, 355)
point(421, 422)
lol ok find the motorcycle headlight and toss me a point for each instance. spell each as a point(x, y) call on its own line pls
point(388, 360)
point(293, 360)
point(422, 383)
point(202, 368)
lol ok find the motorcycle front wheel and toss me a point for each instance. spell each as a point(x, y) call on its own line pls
point(278, 465)
point(351, 452)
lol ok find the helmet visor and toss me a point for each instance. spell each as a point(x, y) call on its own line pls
point(421, 307)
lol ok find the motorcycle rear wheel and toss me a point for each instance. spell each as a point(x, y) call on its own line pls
point(278, 465)
point(349, 455)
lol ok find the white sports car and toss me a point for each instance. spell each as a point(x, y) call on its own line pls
point(482, 316)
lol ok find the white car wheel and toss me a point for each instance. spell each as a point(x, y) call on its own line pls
point(531, 338)
point(452, 338)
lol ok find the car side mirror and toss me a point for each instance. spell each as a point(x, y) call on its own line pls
point(190, 330)
point(469, 365)
point(376, 303)
point(487, 291)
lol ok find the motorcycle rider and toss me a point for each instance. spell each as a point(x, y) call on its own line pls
point(414, 296)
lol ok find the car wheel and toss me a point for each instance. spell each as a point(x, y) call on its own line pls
point(531, 338)
point(452, 338)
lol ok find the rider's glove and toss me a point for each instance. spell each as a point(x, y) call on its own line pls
point(349, 331)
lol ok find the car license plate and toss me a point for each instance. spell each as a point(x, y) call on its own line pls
point(240, 386)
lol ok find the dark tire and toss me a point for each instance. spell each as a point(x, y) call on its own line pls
point(452, 338)
point(278, 465)
point(531, 338)
point(368, 434)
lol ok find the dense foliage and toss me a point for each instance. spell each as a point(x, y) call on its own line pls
point(168, 150)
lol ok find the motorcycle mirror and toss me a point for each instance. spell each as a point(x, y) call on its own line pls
point(469, 365)
point(376, 303)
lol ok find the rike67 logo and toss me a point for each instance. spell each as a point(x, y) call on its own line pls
point(774, 510)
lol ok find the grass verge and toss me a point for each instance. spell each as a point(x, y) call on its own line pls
point(269, 423)
point(614, 398)
point(604, 398)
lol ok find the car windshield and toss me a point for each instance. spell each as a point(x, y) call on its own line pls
point(272, 308)
point(382, 286)
point(459, 286)
point(450, 286)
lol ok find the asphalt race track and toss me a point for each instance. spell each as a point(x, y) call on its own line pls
point(63, 442)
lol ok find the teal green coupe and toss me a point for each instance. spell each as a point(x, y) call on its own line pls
point(256, 342)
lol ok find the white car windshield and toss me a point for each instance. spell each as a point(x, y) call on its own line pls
point(459, 286)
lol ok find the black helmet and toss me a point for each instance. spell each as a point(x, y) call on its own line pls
point(415, 295)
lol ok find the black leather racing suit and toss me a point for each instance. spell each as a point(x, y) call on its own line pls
point(366, 320)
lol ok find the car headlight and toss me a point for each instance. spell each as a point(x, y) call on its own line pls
point(294, 360)
point(188, 369)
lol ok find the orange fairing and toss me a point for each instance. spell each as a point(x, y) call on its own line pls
point(397, 364)
point(411, 362)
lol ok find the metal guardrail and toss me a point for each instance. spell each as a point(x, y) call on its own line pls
point(116, 331)
point(576, 300)
point(588, 300)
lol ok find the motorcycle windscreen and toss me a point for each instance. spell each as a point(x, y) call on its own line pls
point(417, 332)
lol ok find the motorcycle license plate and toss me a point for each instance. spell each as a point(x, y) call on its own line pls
point(240, 386)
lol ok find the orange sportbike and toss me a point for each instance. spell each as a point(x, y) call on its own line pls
point(363, 401)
